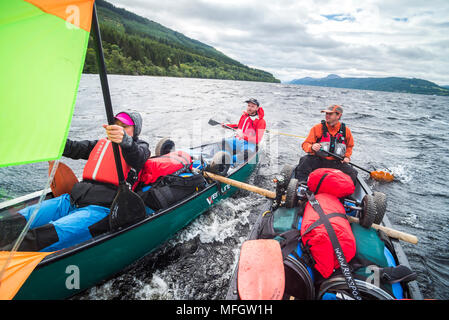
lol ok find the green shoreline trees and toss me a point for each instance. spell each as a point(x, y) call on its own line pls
point(134, 45)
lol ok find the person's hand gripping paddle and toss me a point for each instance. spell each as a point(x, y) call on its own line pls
point(127, 206)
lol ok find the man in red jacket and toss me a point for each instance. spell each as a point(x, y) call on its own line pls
point(249, 130)
point(251, 126)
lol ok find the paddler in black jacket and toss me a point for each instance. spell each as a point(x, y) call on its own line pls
point(96, 185)
point(76, 217)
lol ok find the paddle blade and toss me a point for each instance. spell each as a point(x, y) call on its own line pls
point(213, 122)
point(64, 179)
point(126, 209)
point(261, 270)
point(382, 176)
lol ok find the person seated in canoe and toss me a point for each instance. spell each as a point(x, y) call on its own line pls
point(329, 135)
point(73, 218)
point(249, 130)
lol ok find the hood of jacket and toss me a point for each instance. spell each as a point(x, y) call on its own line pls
point(260, 113)
point(137, 119)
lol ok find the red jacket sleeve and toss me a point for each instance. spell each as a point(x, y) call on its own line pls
point(235, 126)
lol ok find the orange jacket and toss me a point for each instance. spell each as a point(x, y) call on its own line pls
point(317, 131)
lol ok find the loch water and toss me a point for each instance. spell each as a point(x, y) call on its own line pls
point(406, 134)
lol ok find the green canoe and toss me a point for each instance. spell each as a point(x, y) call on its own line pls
point(302, 281)
point(72, 270)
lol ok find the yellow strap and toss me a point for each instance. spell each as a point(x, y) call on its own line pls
point(286, 134)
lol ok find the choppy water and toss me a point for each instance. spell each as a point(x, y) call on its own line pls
point(404, 133)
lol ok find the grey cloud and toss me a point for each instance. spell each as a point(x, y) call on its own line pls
point(413, 53)
point(201, 10)
point(262, 37)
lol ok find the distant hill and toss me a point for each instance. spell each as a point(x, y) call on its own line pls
point(135, 45)
point(392, 84)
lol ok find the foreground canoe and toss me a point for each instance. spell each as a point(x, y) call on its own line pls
point(306, 289)
point(70, 271)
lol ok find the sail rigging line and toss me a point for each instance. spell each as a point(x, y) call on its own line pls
point(30, 220)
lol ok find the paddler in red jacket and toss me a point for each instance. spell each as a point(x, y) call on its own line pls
point(251, 126)
point(249, 131)
point(330, 135)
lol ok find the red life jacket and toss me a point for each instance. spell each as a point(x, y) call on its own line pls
point(318, 238)
point(335, 144)
point(167, 164)
point(101, 164)
point(332, 181)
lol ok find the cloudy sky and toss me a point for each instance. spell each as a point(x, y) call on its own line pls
point(299, 38)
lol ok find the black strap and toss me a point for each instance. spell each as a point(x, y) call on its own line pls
point(323, 124)
point(346, 271)
point(321, 181)
point(325, 131)
point(320, 221)
point(333, 139)
point(343, 130)
point(290, 242)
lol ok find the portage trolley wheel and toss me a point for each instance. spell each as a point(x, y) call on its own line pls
point(369, 211)
point(291, 196)
point(380, 200)
point(220, 164)
point(285, 175)
point(337, 285)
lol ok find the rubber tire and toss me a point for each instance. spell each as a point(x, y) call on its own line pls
point(367, 290)
point(291, 197)
point(380, 199)
point(220, 164)
point(286, 175)
point(298, 282)
point(164, 146)
point(369, 211)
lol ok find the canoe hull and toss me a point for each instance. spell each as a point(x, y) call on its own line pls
point(74, 270)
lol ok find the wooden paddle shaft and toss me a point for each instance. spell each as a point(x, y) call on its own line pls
point(241, 185)
point(390, 232)
point(272, 195)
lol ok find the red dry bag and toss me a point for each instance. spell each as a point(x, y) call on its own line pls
point(331, 181)
point(318, 239)
point(169, 163)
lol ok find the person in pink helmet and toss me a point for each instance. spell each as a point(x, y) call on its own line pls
point(76, 217)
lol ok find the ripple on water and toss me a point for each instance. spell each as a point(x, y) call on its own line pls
point(392, 131)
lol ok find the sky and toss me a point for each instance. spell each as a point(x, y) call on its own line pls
point(305, 38)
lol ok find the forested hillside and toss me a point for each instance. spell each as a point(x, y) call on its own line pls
point(391, 84)
point(137, 46)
